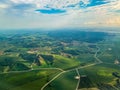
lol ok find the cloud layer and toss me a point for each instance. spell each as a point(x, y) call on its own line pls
point(59, 13)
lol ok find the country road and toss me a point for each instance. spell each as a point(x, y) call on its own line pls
point(98, 61)
point(52, 80)
point(95, 56)
point(77, 87)
point(31, 70)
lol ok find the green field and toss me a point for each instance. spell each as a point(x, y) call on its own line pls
point(31, 80)
point(48, 60)
point(66, 81)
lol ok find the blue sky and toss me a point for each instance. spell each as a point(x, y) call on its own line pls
point(56, 14)
point(51, 11)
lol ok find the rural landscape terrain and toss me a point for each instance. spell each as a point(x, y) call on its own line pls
point(59, 60)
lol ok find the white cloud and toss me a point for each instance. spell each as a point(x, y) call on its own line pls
point(99, 15)
point(2, 6)
point(51, 3)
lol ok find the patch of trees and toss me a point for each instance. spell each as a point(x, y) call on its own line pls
point(116, 74)
point(19, 66)
point(85, 82)
point(117, 85)
point(22, 41)
point(27, 44)
point(30, 58)
point(27, 56)
point(73, 52)
point(77, 52)
point(48, 58)
point(103, 86)
point(7, 61)
point(57, 50)
point(34, 58)
point(12, 50)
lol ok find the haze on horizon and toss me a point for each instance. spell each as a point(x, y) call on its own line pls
point(56, 14)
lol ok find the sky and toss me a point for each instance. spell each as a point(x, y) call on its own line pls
point(57, 14)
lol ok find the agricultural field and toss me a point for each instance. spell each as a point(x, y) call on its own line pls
point(26, 80)
point(54, 60)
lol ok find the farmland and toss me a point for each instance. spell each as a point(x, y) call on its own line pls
point(54, 60)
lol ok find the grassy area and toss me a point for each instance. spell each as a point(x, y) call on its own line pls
point(98, 75)
point(32, 80)
point(64, 63)
point(65, 81)
point(38, 49)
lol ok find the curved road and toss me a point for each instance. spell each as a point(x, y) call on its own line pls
point(98, 61)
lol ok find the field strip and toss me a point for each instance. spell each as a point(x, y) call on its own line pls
point(52, 80)
point(32, 70)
